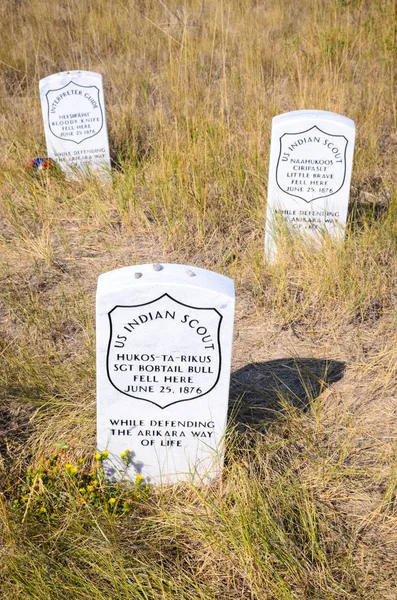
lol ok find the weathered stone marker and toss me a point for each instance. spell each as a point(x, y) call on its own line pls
point(75, 122)
point(310, 169)
point(164, 344)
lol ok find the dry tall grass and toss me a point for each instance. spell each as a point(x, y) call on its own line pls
point(307, 504)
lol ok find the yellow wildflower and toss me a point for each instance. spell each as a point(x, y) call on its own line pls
point(71, 469)
point(112, 501)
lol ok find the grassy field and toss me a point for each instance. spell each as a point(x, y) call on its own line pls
point(307, 505)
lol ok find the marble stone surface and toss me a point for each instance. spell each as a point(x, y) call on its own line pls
point(74, 117)
point(164, 344)
point(311, 158)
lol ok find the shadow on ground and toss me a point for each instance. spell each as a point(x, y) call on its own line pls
point(258, 389)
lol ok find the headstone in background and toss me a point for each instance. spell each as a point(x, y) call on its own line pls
point(164, 345)
point(311, 159)
point(75, 122)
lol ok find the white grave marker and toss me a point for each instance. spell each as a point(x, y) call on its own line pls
point(75, 122)
point(310, 169)
point(164, 344)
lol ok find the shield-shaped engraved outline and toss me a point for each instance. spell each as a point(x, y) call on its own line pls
point(87, 87)
point(147, 304)
point(301, 133)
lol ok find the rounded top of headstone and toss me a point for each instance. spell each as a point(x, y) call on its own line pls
point(313, 115)
point(75, 75)
point(162, 274)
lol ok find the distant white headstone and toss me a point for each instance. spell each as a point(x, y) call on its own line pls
point(164, 344)
point(75, 122)
point(311, 159)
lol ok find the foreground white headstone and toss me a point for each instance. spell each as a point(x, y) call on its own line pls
point(75, 122)
point(310, 169)
point(164, 344)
